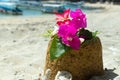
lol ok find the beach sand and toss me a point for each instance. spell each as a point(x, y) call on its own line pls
point(23, 48)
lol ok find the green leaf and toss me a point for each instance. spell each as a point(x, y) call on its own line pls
point(94, 34)
point(57, 49)
point(48, 33)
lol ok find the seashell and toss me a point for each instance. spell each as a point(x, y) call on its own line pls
point(63, 75)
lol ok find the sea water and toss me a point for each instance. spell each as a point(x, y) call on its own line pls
point(26, 12)
point(36, 12)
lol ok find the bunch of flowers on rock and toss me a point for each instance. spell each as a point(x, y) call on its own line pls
point(70, 33)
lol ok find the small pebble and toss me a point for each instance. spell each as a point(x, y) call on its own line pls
point(12, 32)
point(14, 40)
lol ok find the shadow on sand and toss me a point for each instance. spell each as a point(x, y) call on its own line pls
point(109, 75)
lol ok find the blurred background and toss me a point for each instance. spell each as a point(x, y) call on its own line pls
point(24, 22)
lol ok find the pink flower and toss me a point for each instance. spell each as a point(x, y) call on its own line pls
point(78, 19)
point(69, 37)
point(62, 30)
point(69, 23)
point(63, 18)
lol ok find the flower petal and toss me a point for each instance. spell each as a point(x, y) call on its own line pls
point(75, 43)
point(66, 13)
point(78, 19)
point(62, 30)
point(64, 16)
point(59, 17)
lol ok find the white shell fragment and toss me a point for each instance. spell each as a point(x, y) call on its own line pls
point(63, 75)
point(47, 75)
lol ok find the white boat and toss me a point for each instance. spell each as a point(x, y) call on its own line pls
point(30, 4)
point(78, 4)
point(10, 8)
point(52, 8)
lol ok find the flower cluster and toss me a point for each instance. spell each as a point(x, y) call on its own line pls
point(70, 23)
point(70, 33)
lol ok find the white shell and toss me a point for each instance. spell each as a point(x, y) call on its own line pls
point(63, 75)
point(47, 75)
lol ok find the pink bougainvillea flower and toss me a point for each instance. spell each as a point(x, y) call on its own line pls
point(67, 22)
point(69, 37)
point(75, 43)
point(76, 13)
point(62, 30)
point(78, 19)
point(63, 18)
point(78, 23)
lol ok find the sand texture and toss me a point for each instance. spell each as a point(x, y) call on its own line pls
point(82, 63)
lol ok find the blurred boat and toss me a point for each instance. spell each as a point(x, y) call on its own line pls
point(52, 8)
point(78, 4)
point(30, 4)
point(10, 8)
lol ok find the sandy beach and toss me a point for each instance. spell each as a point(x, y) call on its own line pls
point(23, 48)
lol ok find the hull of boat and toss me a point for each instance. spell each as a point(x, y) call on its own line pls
point(52, 8)
point(9, 8)
point(10, 12)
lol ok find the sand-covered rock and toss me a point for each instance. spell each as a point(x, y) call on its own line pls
point(82, 64)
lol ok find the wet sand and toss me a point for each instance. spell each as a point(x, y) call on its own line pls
point(23, 48)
